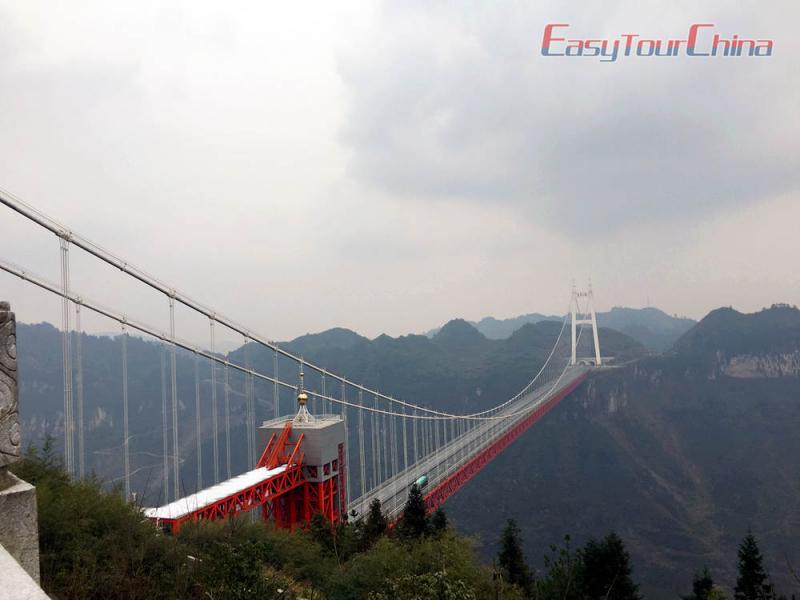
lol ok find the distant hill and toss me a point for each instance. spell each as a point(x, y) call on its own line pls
point(679, 453)
point(764, 343)
point(653, 328)
point(337, 338)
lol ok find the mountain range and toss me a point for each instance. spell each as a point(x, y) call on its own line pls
point(652, 327)
point(680, 452)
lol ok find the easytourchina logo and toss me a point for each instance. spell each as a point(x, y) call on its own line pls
point(701, 39)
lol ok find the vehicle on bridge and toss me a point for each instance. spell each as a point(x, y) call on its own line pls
point(421, 482)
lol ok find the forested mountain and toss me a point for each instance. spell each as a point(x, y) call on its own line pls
point(458, 369)
point(679, 453)
point(653, 328)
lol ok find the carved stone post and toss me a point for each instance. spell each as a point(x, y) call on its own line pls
point(9, 409)
point(19, 533)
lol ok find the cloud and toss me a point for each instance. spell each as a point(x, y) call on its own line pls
point(386, 169)
point(450, 105)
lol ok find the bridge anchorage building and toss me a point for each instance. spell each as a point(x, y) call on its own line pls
point(301, 472)
point(323, 469)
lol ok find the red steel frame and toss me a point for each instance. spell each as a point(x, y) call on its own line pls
point(287, 498)
point(300, 503)
point(449, 486)
point(270, 494)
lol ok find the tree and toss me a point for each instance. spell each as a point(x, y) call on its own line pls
point(607, 570)
point(322, 532)
point(702, 586)
point(752, 582)
point(562, 576)
point(512, 560)
point(414, 522)
point(438, 521)
point(375, 525)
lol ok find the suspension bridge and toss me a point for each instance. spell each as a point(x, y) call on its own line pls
point(342, 445)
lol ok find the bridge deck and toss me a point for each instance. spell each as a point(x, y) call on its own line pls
point(212, 495)
point(451, 457)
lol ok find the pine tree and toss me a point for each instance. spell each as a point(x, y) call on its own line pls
point(322, 532)
point(702, 586)
point(512, 560)
point(607, 570)
point(438, 521)
point(414, 522)
point(753, 582)
point(562, 573)
point(376, 524)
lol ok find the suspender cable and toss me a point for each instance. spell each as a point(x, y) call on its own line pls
point(396, 422)
point(431, 445)
point(164, 424)
point(214, 409)
point(198, 422)
point(448, 458)
point(69, 447)
point(125, 432)
point(276, 391)
point(424, 438)
point(462, 447)
point(314, 407)
point(414, 435)
point(227, 421)
point(248, 406)
point(385, 436)
point(362, 466)
point(347, 476)
point(79, 389)
point(253, 418)
point(453, 437)
point(392, 448)
point(436, 438)
point(315, 404)
point(176, 476)
point(329, 409)
point(393, 421)
point(405, 441)
point(375, 446)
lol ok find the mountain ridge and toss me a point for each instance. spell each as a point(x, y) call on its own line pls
point(651, 326)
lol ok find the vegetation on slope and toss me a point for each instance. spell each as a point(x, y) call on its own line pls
point(95, 545)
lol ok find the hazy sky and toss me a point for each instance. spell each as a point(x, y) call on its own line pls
point(387, 167)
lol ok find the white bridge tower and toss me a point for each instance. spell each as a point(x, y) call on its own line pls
point(585, 316)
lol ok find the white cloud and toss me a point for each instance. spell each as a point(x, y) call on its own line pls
point(389, 167)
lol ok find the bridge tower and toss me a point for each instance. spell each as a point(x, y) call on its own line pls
point(585, 316)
